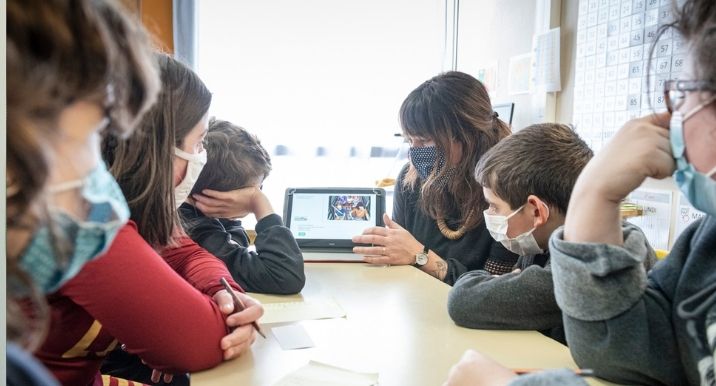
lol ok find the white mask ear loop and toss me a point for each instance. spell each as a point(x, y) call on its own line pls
point(711, 172)
point(698, 108)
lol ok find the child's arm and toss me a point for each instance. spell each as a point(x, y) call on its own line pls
point(276, 267)
point(639, 150)
point(197, 266)
point(145, 304)
point(513, 301)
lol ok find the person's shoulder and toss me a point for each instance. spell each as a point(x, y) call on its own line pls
point(402, 173)
point(189, 211)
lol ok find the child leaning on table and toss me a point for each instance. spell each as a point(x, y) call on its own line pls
point(630, 326)
point(229, 187)
point(527, 180)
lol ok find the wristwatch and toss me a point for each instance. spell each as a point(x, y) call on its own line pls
point(421, 258)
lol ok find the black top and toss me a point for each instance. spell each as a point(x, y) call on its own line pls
point(476, 249)
point(276, 267)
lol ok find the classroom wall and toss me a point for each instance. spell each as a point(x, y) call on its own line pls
point(156, 15)
point(565, 99)
point(568, 32)
point(493, 31)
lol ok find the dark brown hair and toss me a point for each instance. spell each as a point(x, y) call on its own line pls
point(235, 158)
point(453, 106)
point(142, 164)
point(59, 52)
point(543, 159)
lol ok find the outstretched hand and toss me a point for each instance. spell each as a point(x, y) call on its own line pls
point(392, 244)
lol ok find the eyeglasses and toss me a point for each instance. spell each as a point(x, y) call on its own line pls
point(675, 91)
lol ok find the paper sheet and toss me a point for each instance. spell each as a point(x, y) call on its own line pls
point(306, 310)
point(321, 374)
point(545, 61)
point(292, 337)
point(656, 220)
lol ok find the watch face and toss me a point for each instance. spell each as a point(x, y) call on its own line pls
point(421, 258)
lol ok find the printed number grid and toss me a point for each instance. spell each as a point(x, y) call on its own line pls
point(613, 42)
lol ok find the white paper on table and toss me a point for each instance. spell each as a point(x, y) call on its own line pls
point(325, 308)
point(321, 374)
point(292, 337)
point(656, 220)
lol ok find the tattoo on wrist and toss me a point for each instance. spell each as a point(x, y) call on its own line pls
point(440, 269)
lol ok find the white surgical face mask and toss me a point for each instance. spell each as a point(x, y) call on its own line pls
point(193, 170)
point(523, 245)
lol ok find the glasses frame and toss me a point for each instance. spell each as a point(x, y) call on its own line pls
point(683, 86)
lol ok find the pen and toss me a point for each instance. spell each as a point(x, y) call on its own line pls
point(579, 372)
point(239, 305)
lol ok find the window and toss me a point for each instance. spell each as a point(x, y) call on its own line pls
point(319, 81)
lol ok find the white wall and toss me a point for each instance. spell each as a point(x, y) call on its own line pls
point(495, 30)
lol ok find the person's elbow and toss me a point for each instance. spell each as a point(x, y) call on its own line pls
point(466, 309)
point(293, 284)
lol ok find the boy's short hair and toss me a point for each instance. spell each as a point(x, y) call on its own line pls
point(543, 159)
point(234, 158)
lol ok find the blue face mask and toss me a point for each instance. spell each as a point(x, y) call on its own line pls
point(86, 239)
point(699, 188)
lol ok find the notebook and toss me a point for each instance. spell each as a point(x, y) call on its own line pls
point(323, 220)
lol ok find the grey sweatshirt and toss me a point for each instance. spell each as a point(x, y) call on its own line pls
point(513, 301)
point(634, 328)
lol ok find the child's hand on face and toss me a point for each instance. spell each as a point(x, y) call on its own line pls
point(234, 203)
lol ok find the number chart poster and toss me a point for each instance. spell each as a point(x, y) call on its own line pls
point(613, 42)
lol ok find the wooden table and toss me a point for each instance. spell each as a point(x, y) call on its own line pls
point(396, 324)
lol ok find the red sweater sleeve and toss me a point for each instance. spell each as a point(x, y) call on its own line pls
point(199, 267)
point(146, 305)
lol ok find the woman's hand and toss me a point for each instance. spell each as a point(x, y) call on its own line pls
point(391, 244)
point(475, 369)
point(639, 150)
point(243, 333)
point(234, 203)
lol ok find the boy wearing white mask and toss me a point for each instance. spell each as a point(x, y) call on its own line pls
point(527, 180)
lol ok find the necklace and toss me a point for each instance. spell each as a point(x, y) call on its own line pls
point(454, 234)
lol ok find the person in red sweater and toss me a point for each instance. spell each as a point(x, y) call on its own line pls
point(155, 292)
point(74, 68)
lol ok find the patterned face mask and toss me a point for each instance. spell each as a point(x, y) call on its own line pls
point(424, 160)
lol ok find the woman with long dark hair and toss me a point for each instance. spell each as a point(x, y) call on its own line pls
point(437, 221)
